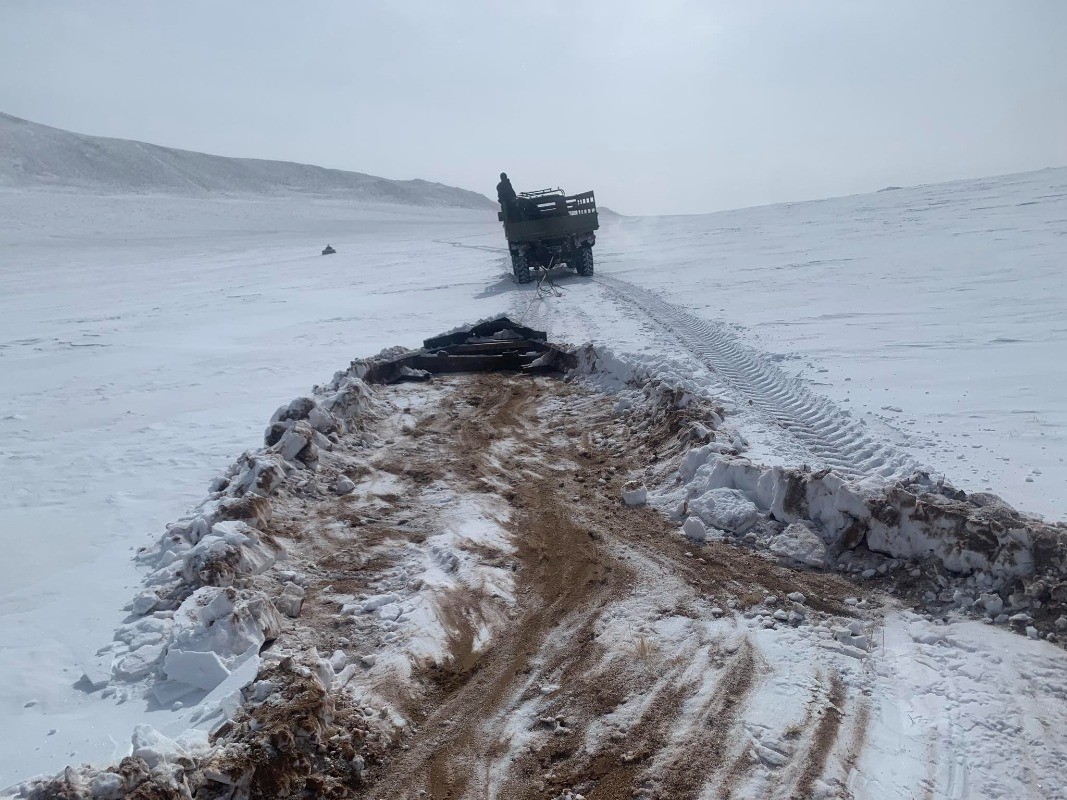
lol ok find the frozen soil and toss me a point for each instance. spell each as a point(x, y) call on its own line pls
point(580, 688)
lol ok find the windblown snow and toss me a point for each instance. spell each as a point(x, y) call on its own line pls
point(150, 327)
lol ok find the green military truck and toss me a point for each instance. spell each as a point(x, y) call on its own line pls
point(549, 228)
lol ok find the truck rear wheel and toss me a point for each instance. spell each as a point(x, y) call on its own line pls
point(520, 265)
point(585, 261)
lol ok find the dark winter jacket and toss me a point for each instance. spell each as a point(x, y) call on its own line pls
point(505, 193)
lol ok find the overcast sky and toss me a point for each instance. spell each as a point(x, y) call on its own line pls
point(666, 106)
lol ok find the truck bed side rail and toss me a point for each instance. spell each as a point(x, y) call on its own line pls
point(583, 203)
point(559, 205)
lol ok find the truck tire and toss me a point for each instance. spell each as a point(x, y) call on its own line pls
point(585, 262)
point(520, 265)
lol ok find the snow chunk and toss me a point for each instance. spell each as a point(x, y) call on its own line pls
point(290, 601)
point(338, 660)
point(138, 663)
point(694, 530)
point(992, 603)
point(799, 544)
point(353, 399)
point(96, 672)
point(258, 473)
point(728, 509)
point(296, 443)
point(324, 421)
point(107, 786)
point(223, 702)
point(232, 550)
point(376, 602)
point(203, 670)
point(155, 748)
point(144, 602)
point(226, 621)
point(634, 493)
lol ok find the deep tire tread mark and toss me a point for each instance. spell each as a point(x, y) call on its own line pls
point(822, 429)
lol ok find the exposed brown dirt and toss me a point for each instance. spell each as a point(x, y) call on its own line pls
point(570, 569)
point(706, 753)
point(823, 740)
point(559, 698)
point(561, 571)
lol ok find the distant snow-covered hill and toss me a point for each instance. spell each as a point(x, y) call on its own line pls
point(33, 155)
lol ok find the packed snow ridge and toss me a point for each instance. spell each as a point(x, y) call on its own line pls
point(973, 552)
point(34, 156)
point(199, 620)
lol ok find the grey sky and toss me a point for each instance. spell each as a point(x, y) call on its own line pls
point(666, 106)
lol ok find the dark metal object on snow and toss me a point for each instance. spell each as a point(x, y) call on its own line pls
point(493, 346)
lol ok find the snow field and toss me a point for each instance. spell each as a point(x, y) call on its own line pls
point(140, 330)
point(137, 335)
point(931, 315)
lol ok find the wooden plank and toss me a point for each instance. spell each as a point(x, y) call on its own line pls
point(439, 364)
point(489, 348)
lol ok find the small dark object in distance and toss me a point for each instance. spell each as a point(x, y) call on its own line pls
point(328, 251)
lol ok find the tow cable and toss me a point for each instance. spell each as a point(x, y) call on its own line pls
point(545, 287)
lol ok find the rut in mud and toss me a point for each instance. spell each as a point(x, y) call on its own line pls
point(617, 667)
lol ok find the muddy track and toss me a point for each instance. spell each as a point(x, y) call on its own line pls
point(822, 742)
point(502, 626)
point(524, 718)
point(561, 569)
point(828, 435)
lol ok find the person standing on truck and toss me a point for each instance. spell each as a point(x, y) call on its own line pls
point(505, 194)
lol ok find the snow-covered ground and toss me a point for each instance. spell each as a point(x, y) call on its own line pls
point(937, 310)
point(145, 341)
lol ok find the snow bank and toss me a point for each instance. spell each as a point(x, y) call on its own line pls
point(198, 616)
point(676, 405)
point(612, 372)
point(913, 519)
point(973, 546)
point(985, 555)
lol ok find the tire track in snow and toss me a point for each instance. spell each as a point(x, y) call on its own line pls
point(823, 739)
point(829, 435)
